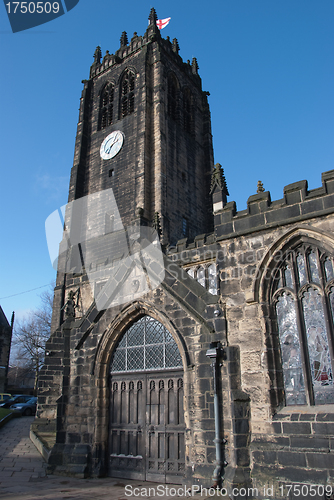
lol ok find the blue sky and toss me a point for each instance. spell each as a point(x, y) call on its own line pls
point(268, 65)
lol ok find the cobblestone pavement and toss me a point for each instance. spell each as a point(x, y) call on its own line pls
point(23, 477)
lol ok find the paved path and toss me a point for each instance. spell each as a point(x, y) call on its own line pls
point(22, 474)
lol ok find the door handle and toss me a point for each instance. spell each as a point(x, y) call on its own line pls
point(151, 429)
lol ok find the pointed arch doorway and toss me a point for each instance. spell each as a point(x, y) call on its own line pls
point(146, 423)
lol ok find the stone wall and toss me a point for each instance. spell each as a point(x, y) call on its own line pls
point(5, 343)
point(262, 440)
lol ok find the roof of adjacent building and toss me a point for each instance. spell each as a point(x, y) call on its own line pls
point(3, 319)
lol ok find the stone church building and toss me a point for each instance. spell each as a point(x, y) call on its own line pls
point(222, 372)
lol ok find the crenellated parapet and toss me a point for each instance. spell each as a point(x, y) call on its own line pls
point(136, 44)
point(298, 204)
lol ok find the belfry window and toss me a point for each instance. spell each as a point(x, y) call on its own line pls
point(127, 93)
point(107, 106)
point(303, 302)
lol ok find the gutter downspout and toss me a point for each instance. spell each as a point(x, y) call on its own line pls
point(215, 352)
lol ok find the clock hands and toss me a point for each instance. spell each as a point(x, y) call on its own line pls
point(108, 149)
point(111, 145)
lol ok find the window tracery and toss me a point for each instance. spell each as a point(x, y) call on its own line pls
point(302, 298)
point(146, 345)
point(107, 106)
point(127, 93)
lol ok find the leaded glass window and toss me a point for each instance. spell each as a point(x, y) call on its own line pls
point(317, 343)
point(301, 270)
point(314, 271)
point(146, 345)
point(288, 276)
point(212, 279)
point(303, 299)
point(191, 272)
point(206, 275)
point(201, 276)
point(290, 350)
point(329, 269)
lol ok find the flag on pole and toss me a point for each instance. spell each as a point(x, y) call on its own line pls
point(162, 23)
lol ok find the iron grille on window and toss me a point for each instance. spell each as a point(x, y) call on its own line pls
point(127, 93)
point(303, 301)
point(146, 345)
point(107, 106)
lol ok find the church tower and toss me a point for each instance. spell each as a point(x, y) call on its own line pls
point(144, 133)
point(160, 165)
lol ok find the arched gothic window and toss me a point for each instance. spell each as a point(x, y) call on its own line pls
point(127, 93)
point(172, 97)
point(107, 106)
point(146, 345)
point(303, 303)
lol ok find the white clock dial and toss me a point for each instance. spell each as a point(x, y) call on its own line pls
point(111, 145)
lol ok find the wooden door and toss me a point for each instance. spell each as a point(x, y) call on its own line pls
point(147, 426)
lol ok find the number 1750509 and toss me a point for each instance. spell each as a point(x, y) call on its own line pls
point(32, 7)
point(304, 490)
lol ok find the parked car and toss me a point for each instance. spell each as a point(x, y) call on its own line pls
point(19, 398)
point(4, 397)
point(26, 409)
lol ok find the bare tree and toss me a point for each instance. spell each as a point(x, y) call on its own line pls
point(30, 335)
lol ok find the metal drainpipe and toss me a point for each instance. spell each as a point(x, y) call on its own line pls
point(215, 353)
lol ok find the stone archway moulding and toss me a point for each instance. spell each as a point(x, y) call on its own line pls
point(120, 324)
point(257, 293)
point(105, 349)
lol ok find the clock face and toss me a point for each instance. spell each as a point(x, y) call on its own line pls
point(111, 145)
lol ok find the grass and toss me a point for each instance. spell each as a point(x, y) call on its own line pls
point(4, 412)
